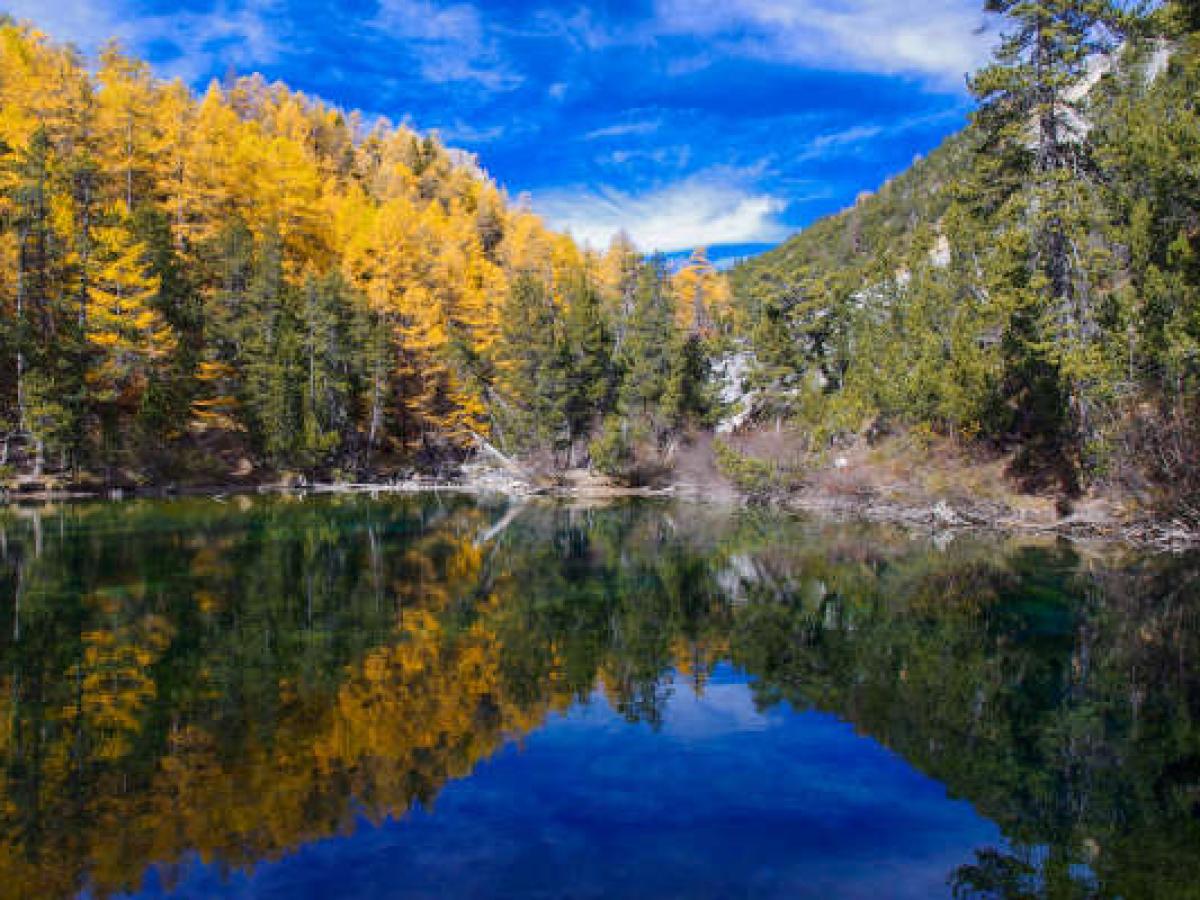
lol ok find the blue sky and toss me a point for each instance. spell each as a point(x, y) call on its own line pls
point(719, 122)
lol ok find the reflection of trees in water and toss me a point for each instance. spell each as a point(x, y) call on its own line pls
point(1058, 695)
point(239, 680)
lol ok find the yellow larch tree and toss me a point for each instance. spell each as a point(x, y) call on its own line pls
point(702, 295)
point(126, 138)
point(171, 227)
point(618, 276)
point(126, 334)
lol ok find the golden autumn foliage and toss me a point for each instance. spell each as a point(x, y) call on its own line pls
point(703, 299)
point(126, 333)
point(157, 242)
point(250, 279)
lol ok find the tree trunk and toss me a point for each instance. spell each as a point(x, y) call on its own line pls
point(21, 332)
point(376, 415)
point(507, 462)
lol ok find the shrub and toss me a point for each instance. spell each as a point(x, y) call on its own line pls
point(758, 479)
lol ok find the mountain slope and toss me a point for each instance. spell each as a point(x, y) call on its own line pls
point(985, 293)
point(881, 225)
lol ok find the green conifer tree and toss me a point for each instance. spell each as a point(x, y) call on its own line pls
point(587, 348)
point(533, 368)
point(646, 354)
point(1033, 114)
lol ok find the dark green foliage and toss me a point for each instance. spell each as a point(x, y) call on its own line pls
point(587, 358)
point(305, 363)
point(1035, 280)
point(689, 392)
point(49, 361)
point(168, 398)
point(534, 368)
point(567, 383)
point(612, 450)
point(758, 479)
point(645, 354)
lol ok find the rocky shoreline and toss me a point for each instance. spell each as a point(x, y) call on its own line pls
point(936, 514)
point(946, 516)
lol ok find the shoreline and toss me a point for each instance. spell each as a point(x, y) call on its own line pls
point(938, 515)
point(941, 516)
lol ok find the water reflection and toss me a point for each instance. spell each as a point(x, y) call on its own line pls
point(344, 696)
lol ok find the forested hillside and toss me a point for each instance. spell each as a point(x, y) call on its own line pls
point(1034, 284)
point(251, 281)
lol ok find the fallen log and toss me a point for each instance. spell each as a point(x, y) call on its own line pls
point(506, 461)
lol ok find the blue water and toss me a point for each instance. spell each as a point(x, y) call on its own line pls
point(339, 697)
point(721, 800)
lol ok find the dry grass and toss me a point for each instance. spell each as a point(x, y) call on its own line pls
point(909, 469)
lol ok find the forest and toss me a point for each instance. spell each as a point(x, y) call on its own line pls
point(252, 284)
point(1030, 287)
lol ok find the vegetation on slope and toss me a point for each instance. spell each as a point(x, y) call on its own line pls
point(251, 275)
point(1034, 284)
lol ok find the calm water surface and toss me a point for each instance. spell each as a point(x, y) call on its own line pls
point(434, 697)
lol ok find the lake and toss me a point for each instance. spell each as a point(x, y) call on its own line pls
point(435, 696)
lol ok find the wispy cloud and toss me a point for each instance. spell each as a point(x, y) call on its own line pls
point(239, 35)
point(464, 133)
point(941, 39)
point(625, 129)
point(83, 22)
point(450, 42)
point(677, 156)
point(712, 207)
point(848, 140)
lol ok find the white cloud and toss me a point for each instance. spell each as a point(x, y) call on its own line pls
point(849, 137)
point(678, 156)
point(430, 21)
point(708, 208)
point(838, 143)
point(241, 35)
point(579, 28)
point(83, 22)
point(941, 39)
point(625, 129)
point(463, 132)
point(449, 41)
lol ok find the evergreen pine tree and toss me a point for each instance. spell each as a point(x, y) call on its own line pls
point(1033, 114)
point(646, 354)
point(588, 364)
point(532, 368)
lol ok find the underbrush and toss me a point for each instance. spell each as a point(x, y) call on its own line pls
point(916, 466)
point(629, 455)
point(756, 477)
point(1166, 448)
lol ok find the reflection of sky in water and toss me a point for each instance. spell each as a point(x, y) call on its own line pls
point(722, 801)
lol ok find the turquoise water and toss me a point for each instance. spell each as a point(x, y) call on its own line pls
point(430, 697)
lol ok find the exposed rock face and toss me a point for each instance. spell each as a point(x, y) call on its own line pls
point(939, 255)
point(731, 372)
point(1157, 64)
